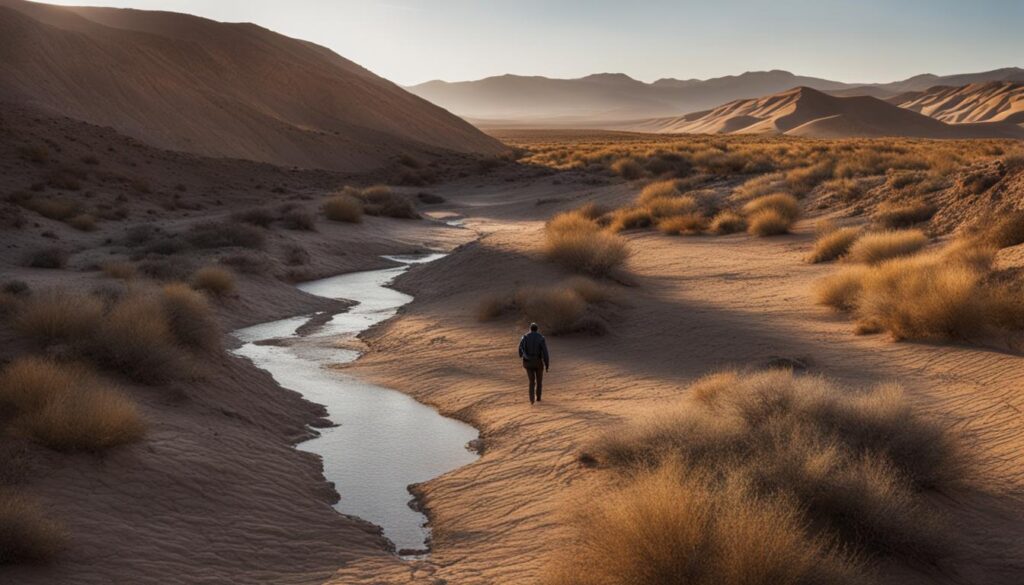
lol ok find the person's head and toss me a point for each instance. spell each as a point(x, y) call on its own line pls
point(533, 327)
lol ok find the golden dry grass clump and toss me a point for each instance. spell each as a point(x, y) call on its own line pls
point(578, 243)
point(142, 335)
point(67, 407)
point(343, 207)
point(771, 215)
point(27, 534)
point(767, 478)
point(215, 280)
point(893, 215)
point(833, 244)
point(568, 307)
point(728, 222)
point(947, 294)
point(878, 247)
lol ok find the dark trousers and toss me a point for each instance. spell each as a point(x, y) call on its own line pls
point(536, 376)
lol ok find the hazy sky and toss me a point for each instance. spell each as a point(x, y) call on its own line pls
point(410, 41)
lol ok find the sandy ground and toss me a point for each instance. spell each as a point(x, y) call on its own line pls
point(695, 305)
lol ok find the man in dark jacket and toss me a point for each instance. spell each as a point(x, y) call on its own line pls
point(533, 349)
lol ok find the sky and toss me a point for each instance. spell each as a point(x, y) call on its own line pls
point(411, 41)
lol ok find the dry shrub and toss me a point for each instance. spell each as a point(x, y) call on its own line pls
point(667, 527)
point(557, 309)
point(630, 218)
point(728, 222)
point(785, 204)
point(258, 216)
point(878, 247)
point(28, 534)
point(67, 407)
point(893, 215)
point(120, 270)
point(215, 280)
point(842, 289)
point(668, 207)
point(949, 294)
point(190, 319)
point(833, 244)
point(47, 257)
point(803, 180)
point(563, 308)
point(134, 338)
point(658, 190)
point(53, 208)
point(768, 222)
point(760, 186)
point(343, 207)
point(846, 190)
point(578, 244)
point(248, 262)
point(381, 200)
point(689, 223)
point(805, 479)
point(59, 316)
point(627, 168)
point(1002, 232)
point(298, 219)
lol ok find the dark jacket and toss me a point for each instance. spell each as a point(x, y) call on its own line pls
point(533, 348)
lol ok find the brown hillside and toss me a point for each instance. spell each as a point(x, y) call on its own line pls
point(236, 90)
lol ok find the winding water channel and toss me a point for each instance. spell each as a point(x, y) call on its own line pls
point(383, 440)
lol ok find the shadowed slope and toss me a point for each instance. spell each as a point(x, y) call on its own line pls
point(237, 90)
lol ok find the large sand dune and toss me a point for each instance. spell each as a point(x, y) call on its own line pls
point(997, 101)
point(236, 90)
point(803, 111)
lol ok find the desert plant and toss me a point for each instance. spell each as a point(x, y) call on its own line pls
point(768, 222)
point(381, 200)
point(578, 244)
point(627, 168)
point(298, 219)
point(833, 244)
point(190, 319)
point(842, 289)
point(67, 407)
point(58, 316)
point(783, 203)
point(893, 215)
point(258, 216)
point(51, 257)
point(343, 208)
point(856, 473)
point(215, 280)
point(29, 534)
point(135, 339)
point(658, 190)
point(630, 218)
point(728, 222)
point(878, 247)
point(690, 223)
point(668, 207)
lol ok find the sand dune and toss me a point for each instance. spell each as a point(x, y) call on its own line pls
point(997, 101)
point(237, 90)
point(803, 111)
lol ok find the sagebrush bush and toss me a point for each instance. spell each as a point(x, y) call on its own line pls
point(668, 526)
point(630, 218)
point(381, 200)
point(135, 339)
point(768, 222)
point(783, 203)
point(878, 247)
point(47, 257)
point(343, 207)
point(628, 169)
point(67, 407)
point(566, 307)
point(28, 534)
point(215, 280)
point(579, 244)
point(842, 289)
point(768, 477)
point(658, 190)
point(689, 223)
point(894, 215)
point(190, 319)
point(728, 222)
point(833, 244)
point(59, 316)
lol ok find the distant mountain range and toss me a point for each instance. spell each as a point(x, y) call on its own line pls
point(542, 101)
point(185, 83)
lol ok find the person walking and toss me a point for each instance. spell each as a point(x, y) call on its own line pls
point(533, 349)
